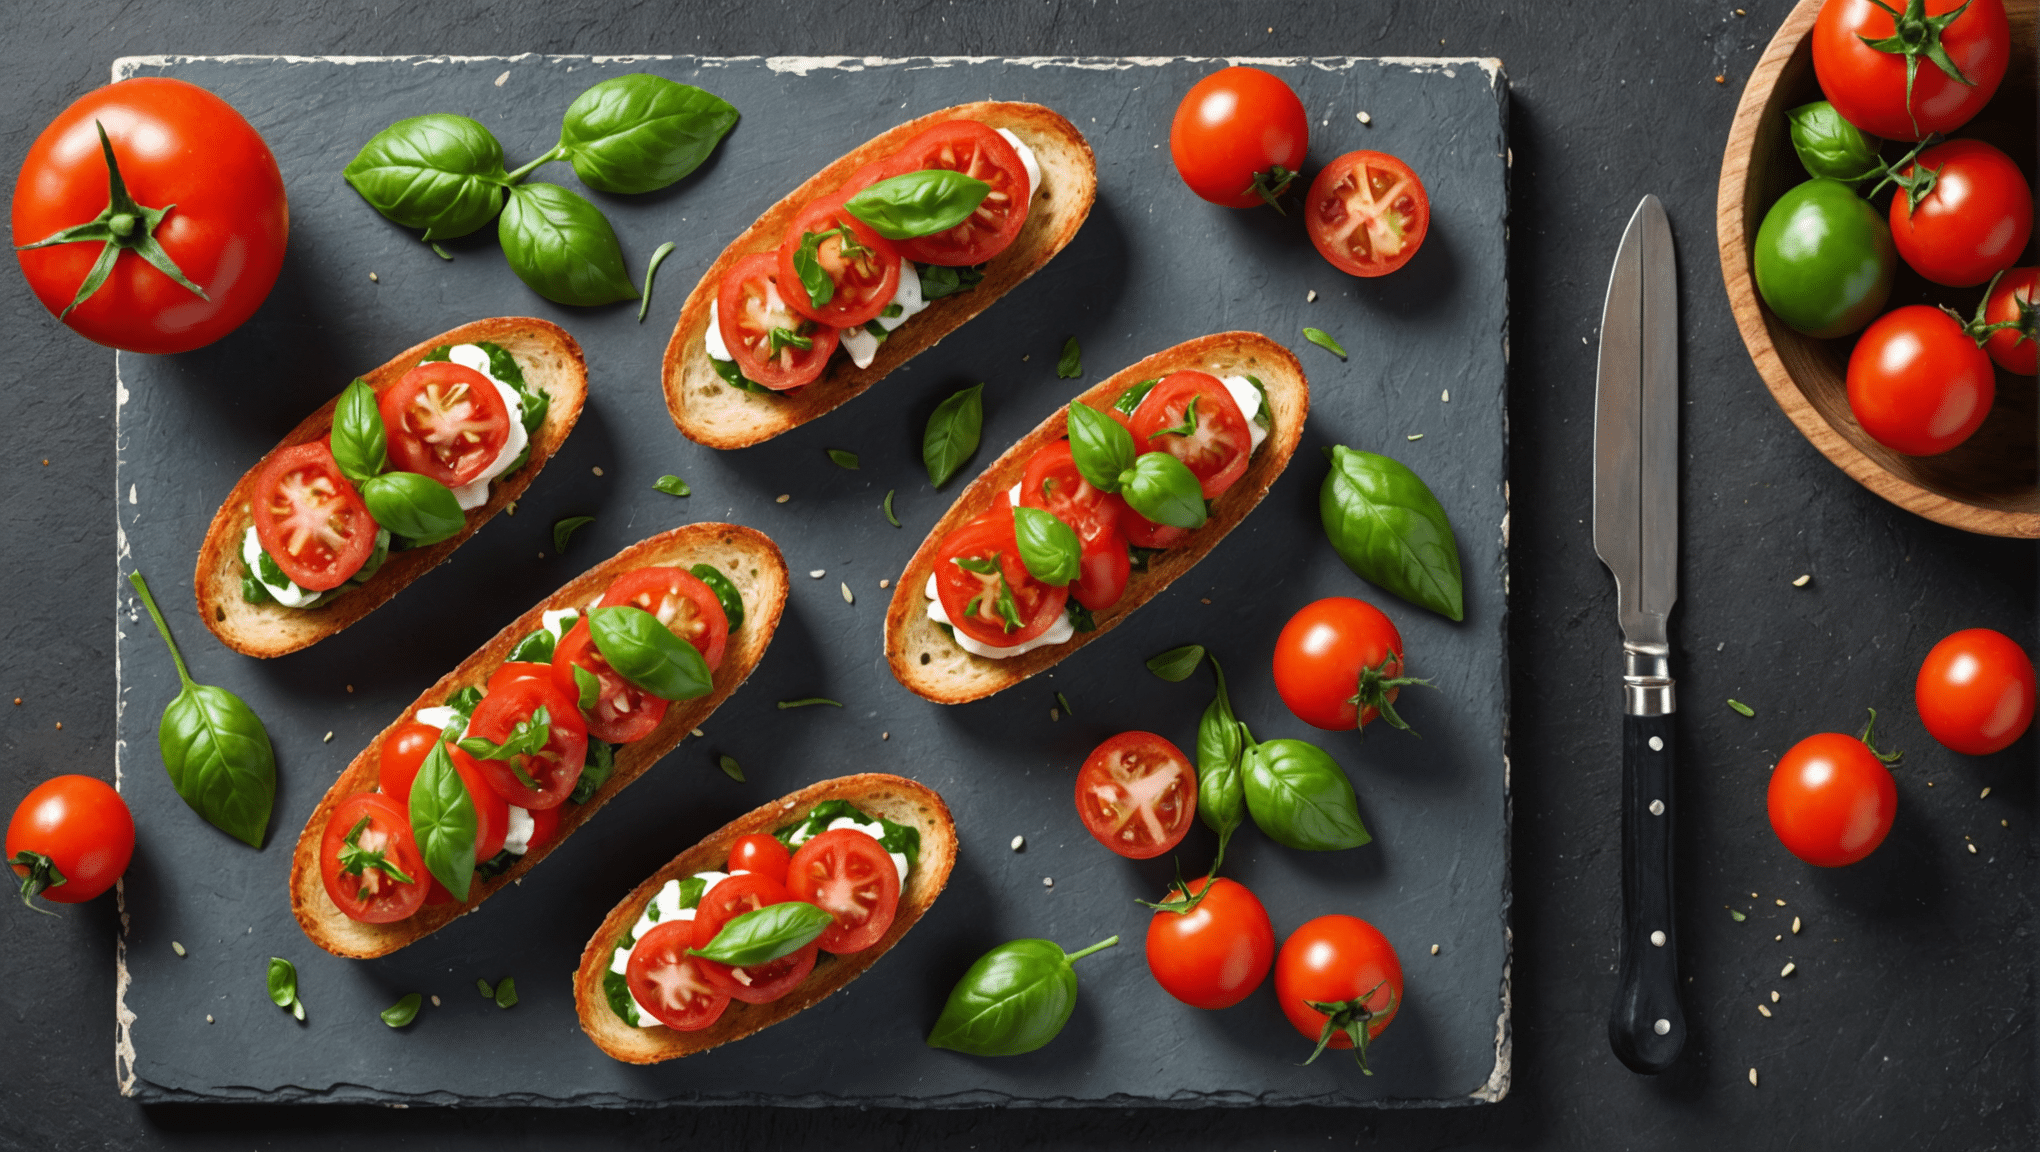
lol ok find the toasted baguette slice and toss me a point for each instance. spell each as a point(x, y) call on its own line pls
point(711, 412)
point(929, 662)
point(746, 556)
point(552, 363)
point(897, 799)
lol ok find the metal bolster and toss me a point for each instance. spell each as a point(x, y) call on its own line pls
point(1647, 680)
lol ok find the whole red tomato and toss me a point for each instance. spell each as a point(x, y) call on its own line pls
point(1339, 664)
point(1973, 219)
point(1239, 137)
point(203, 199)
point(1218, 952)
point(1918, 382)
point(1975, 691)
point(70, 839)
point(1339, 982)
point(1860, 56)
point(1832, 799)
point(2012, 302)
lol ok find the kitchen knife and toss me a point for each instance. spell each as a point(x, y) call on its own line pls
point(1636, 534)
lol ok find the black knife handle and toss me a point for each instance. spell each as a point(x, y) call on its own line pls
point(1647, 1027)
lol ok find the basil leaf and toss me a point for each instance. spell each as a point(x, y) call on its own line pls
point(589, 689)
point(1189, 425)
point(564, 529)
point(939, 280)
point(1177, 664)
point(443, 173)
point(1389, 528)
point(639, 133)
point(1831, 146)
point(252, 591)
point(918, 203)
point(416, 507)
point(1071, 365)
point(730, 768)
point(765, 934)
point(282, 982)
point(536, 648)
point(562, 247)
point(726, 593)
point(952, 434)
point(659, 255)
point(616, 989)
point(1081, 618)
point(1016, 998)
point(672, 486)
point(1048, 547)
point(214, 747)
point(464, 702)
point(443, 822)
point(1101, 447)
point(487, 989)
point(1221, 745)
point(403, 1011)
point(843, 459)
point(1318, 337)
point(807, 264)
point(527, 738)
point(1131, 398)
point(1301, 797)
point(506, 992)
point(360, 447)
point(1163, 489)
point(889, 517)
point(646, 653)
point(595, 771)
point(735, 378)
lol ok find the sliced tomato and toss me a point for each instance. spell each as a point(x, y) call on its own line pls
point(1001, 605)
point(310, 520)
point(852, 877)
point(969, 147)
point(403, 750)
point(670, 984)
point(761, 854)
point(623, 711)
point(1142, 532)
point(446, 421)
point(1053, 483)
point(512, 671)
point(372, 891)
point(553, 769)
point(750, 309)
point(685, 605)
point(1212, 439)
point(545, 822)
point(1137, 794)
point(725, 902)
point(1367, 213)
point(864, 271)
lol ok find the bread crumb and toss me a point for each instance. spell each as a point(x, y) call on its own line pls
point(783, 498)
point(1310, 297)
point(1803, 581)
point(888, 584)
point(596, 470)
point(1363, 117)
point(1019, 842)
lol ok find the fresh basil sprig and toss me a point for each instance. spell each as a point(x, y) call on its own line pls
point(282, 982)
point(443, 173)
point(1301, 797)
point(766, 934)
point(360, 445)
point(527, 738)
point(1048, 547)
point(640, 133)
point(648, 654)
point(1016, 998)
point(807, 261)
point(1390, 529)
point(1176, 664)
point(1155, 484)
point(403, 1011)
point(354, 859)
point(952, 434)
point(563, 247)
point(726, 593)
point(414, 506)
point(1831, 146)
point(443, 821)
point(214, 747)
point(918, 203)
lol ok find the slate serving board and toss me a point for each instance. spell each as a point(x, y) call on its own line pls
point(1152, 267)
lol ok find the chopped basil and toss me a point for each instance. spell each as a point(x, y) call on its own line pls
point(1131, 398)
point(496, 865)
point(735, 378)
point(464, 701)
point(596, 770)
point(900, 838)
point(939, 280)
point(1080, 616)
point(617, 990)
point(1261, 415)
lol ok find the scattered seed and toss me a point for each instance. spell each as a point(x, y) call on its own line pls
point(1803, 581)
point(1774, 996)
point(885, 583)
point(1740, 12)
point(1363, 117)
point(1753, 895)
point(1204, 600)
point(1064, 701)
point(1417, 436)
point(177, 948)
point(1048, 881)
point(208, 1017)
point(1765, 1009)
point(1780, 936)
point(1741, 707)
point(1019, 842)
point(60, 725)
point(783, 498)
point(1736, 915)
point(328, 739)
point(510, 509)
point(1445, 397)
point(17, 700)
point(818, 573)
point(1310, 297)
point(885, 735)
point(1054, 715)
point(696, 732)
point(1781, 903)
point(1986, 790)
point(1434, 949)
point(1788, 970)
point(847, 597)
point(350, 687)
point(1930, 783)
point(374, 278)
point(1724, 80)
point(435, 1001)
point(1795, 925)
point(2004, 823)
point(1972, 849)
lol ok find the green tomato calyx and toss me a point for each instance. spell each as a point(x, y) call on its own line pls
point(1916, 34)
point(1375, 685)
point(1270, 185)
point(41, 876)
point(1351, 1017)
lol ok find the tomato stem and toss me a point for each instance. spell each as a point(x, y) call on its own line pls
point(1183, 904)
point(1916, 34)
point(1375, 684)
point(1271, 184)
point(1869, 733)
point(1351, 1017)
point(1981, 330)
point(42, 874)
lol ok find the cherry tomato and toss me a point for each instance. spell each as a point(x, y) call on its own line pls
point(383, 879)
point(1868, 85)
point(623, 711)
point(511, 671)
point(773, 345)
point(1339, 664)
point(1367, 213)
point(553, 769)
point(761, 854)
point(544, 823)
point(1137, 795)
point(971, 148)
point(1918, 383)
point(2012, 302)
point(765, 982)
point(670, 984)
point(309, 519)
point(1338, 980)
point(1053, 483)
point(1142, 532)
point(70, 838)
point(864, 272)
point(1215, 954)
point(403, 751)
point(686, 606)
point(1974, 221)
point(850, 876)
point(179, 148)
point(1832, 799)
point(985, 588)
point(1975, 691)
point(1239, 137)
point(1212, 439)
point(444, 420)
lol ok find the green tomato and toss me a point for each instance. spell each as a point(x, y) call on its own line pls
point(1824, 259)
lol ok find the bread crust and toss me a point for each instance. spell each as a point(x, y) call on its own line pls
point(552, 362)
point(745, 555)
point(933, 666)
point(896, 798)
point(710, 412)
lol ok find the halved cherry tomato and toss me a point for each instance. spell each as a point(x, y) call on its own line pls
point(761, 854)
point(310, 520)
point(1053, 483)
point(1974, 221)
point(1831, 799)
point(1137, 794)
point(623, 711)
point(686, 606)
point(511, 671)
point(750, 309)
point(985, 588)
point(850, 876)
point(2014, 300)
point(865, 274)
point(555, 768)
point(381, 848)
point(1367, 213)
point(1346, 964)
point(403, 751)
point(1216, 953)
point(1918, 384)
point(1975, 691)
point(1239, 137)
point(1212, 439)
point(446, 421)
point(725, 902)
point(968, 147)
point(1869, 86)
point(670, 984)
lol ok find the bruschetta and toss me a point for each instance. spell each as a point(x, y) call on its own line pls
point(756, 353)
point(1049, 548)
point(435, 442)
point(502, 759)
point(871, 852)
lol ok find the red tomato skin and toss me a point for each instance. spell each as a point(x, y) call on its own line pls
point(792, 368)
point(492, 812)
point(1319, 654)
point(390, 818)
point(488, 417)
point(1975, 221)
point(302, 464)
point(2013, 353)
point(1403, 221)
point(1336, 958)
point(998, 220)
point(677, 597)
point(848, 859)
point(565, 752)
point(1102, 787)
point(1831, 801)
point(83, 826)
point(403, 752)
point(1216, 954)
point(859, 300)
point(606, 722)
point(1038, 605)
point(544, 823)
point(176, 143)
point(1231, 125)
point(666, 946)
point(761, 854)
point(1975, 691)
point(1217, 452)
point(766, 982)
point(1868, 87)
point(1917, 383)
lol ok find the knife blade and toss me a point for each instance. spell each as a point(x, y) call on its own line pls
point(1636, 534)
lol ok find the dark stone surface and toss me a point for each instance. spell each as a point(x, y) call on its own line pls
point(1910, 1020)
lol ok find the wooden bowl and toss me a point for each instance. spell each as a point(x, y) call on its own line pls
point(1991, 482)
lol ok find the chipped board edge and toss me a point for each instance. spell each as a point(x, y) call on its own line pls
point(123, 1016)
